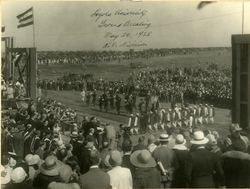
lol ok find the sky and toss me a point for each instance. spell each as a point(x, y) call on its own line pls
point(69, 25)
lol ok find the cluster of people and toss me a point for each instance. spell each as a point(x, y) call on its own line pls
point(79, 57)
point(159, 118)
point(176, 159)
point(189, 85)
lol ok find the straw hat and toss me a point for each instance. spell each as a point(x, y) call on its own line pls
point(164, 138)
point(5, 176)
point(199, 138)
point(32, 159)
point(74, 134)
point(142, 158)
point(50, 166)
point(18, 175)
point(180, 139)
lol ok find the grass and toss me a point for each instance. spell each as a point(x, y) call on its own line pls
point(116, 71)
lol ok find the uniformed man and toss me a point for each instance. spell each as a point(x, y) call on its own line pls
point(117, 103)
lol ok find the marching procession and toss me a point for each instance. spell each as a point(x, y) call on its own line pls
point(174, 149)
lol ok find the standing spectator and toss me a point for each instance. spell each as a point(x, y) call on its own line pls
point(110, 135)
point(166, 156)
point(181, 151)
point(49, 173)
point(33, 163)
point(65, 173)
point(151, 143)
point(18, 141)
point(126, 149)
point(202, 164)
point(140, 145)
point(120, 177)
point(146, 174)
point(236, 165)
point(88, 180)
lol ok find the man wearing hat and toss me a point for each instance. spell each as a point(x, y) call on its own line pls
point(202, 164)
point(235, 135)
point(165, 156)
point(120, 177)
point(146, 174)
point(181, 152)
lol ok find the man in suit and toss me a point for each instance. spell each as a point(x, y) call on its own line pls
point(89, 179)
point(201, 164)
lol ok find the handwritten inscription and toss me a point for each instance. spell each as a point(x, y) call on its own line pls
point(123, 28)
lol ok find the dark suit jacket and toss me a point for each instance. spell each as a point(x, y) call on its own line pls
point(95, 178)
point(236, 167)
point(200, 167)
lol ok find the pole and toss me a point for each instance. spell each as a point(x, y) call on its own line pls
point(34, 39)
point(242, 16)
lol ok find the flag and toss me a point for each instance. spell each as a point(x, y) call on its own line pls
point(25, 18)
point(204, 3)
point(3, 29)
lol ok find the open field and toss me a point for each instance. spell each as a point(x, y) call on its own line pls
point(115, 71)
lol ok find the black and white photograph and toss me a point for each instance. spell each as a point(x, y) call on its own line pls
point(127, 94)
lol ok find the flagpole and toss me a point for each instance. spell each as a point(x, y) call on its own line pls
point(34, 39)
point(242, 17)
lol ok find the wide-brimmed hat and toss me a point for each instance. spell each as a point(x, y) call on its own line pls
point(50, 166)
point(199, 138)
point(5, 176)
point(142, 158)
point(164, 138)
point(235, 127)
point(32, 159)
point(115, 158)
point(180, 139)
point(18, 175)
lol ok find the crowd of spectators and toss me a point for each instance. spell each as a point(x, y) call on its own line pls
point(188, 85)
point(36, 154)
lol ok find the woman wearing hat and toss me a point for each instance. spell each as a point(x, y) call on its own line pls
point(201, 164)
point(49, 173)
point(19, 180)
point(146, 174)
point(33, 163)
